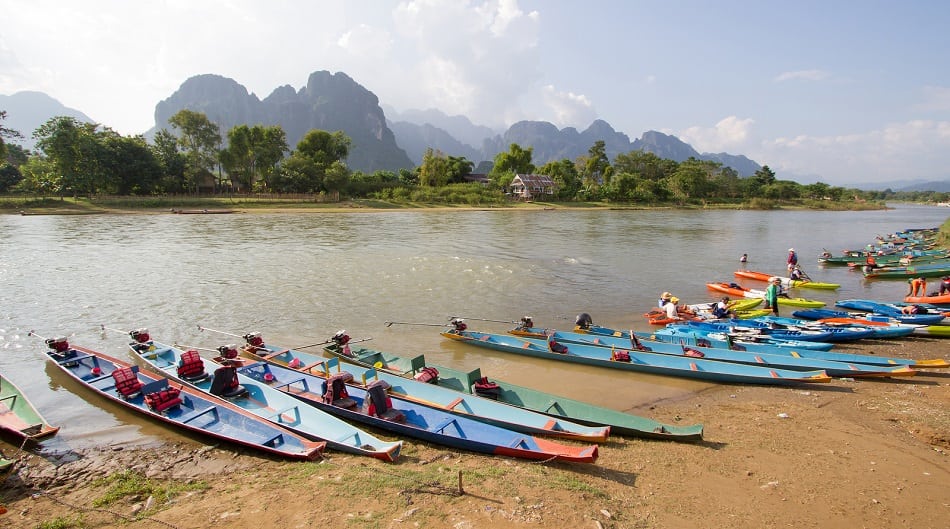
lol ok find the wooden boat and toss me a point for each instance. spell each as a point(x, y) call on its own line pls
point(463, 404)
point(475, 383)
point(179, 406)
point(838, 367)
point(739, 291)
point(203, 211)
point(221, 379)
point(18, 417)
point(907, 272)
point(787, 282)
point(924, 316)
point(407, 418)
point(641, 361)
point(692, 339)
point(859, 257)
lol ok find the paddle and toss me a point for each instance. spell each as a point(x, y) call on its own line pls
point(186, 347)
point(480, 319)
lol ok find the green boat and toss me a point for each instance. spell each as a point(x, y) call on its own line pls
point(5, 465)
point(18, 416)
point(473, 382)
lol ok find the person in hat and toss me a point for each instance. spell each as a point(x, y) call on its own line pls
point(664, 299)
point(945, 285)
point(792, 259)
point(672, 310)
point(771, 295)
point(722, 310)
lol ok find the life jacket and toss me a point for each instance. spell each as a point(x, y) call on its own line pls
point(127, 383)
point(555, 347)
point(485, 388)
point(160, 401)
point(428, 375)
point(336, 393)
point(225, 383)
point(191, 367)
point(378, 403)
point(619, 355)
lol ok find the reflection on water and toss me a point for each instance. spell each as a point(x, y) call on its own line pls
point(298, 278)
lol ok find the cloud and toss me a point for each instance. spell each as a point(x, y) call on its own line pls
point(897, 151)
point(804, 75)
point(935, 99)
point(729, 134)
point(568, 108)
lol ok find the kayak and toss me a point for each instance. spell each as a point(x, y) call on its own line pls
point(787, 282)
point(739, 291)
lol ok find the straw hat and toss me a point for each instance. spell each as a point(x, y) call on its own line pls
point(674, 299)
point(666, 295)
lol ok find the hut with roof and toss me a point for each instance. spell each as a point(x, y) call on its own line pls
point(532, 187)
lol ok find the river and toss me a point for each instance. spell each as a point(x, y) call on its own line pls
point(298, 278)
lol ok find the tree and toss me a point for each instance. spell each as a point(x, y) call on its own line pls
point(199, 140)
point(73, 149)
point(251, 151)
point(507, 164)
point(6, 133)
point(317, 164)
point(171, 160)
point(564, 175)
point(434, 169)
point(595, 167)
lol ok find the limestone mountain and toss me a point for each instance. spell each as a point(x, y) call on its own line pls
point(27, 111)
point(328, 102)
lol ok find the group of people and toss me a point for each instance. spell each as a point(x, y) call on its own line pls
point(917, 287)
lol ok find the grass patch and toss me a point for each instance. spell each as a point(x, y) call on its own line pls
point(63, 522)
point(129, 484)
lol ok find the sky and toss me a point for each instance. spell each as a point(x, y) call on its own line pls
point(838, 91)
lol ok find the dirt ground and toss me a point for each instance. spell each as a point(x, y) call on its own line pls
point(849, 454)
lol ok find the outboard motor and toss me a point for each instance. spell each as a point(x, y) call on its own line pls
point(59, 350)
point(458, 325)
point(225, 383)
point(228, 352)
point(140, 335)
point(341, 338)
point(584, 321)
point(254, 341)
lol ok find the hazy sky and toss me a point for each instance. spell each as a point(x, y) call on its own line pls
point(835, 90)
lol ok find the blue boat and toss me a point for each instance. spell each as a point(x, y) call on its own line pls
point(737, 326)
point(924, 316)
point(222, 379)
point(835, 364)
point(640, 361)
point(408, 418)
point(881, 329)
point(835, 334)
point(463, 404)
point(748, 338)
point(180, 406)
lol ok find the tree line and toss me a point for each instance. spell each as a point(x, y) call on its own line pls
point(73, 158)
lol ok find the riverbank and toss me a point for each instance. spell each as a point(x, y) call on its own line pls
point(165, 205)
point(851, 453)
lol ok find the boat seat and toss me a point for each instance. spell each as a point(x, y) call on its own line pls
point(306, 386)
point(74, 359)
point(187, 419)
point(272, 442)
point(519, 441)
point(445, 424)
point(278, 416)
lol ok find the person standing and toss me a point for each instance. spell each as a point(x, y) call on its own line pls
point(945, 285)
point(771, 295)
point(792, 259)
point(744, 258)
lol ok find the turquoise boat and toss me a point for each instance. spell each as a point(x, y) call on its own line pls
point(407, 418)
point(18, 417)
point(473, 382)
point(222, 380)
point(674, 333)
point(462, 404)
point(640, 361)
point(835, 364)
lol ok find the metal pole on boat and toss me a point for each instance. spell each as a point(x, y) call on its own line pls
point(481, 319)
point(200, 328)
point(391, 323)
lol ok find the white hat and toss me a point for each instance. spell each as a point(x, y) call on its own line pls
point(791, 249)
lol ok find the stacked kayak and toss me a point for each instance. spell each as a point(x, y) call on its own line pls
point(739, 291)
point(923, 315)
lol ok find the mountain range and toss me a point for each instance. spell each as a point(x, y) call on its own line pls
point(381, 140)
point(337, 102)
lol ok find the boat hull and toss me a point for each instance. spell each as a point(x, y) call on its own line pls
point(19, 418)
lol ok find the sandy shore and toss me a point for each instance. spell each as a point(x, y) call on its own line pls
point(852, 453)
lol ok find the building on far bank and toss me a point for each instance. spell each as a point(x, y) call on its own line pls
point(532, 187)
